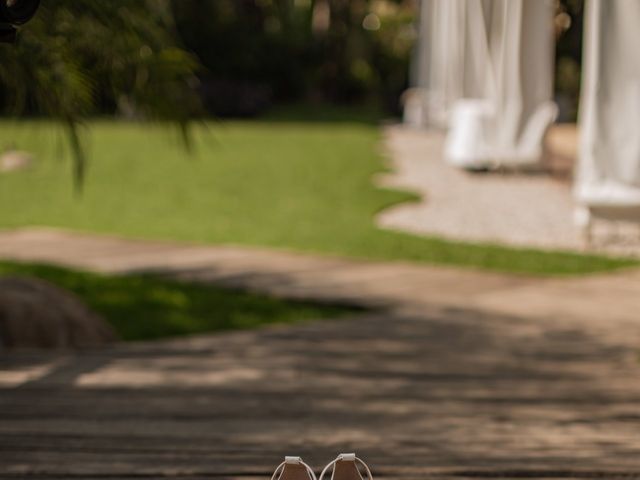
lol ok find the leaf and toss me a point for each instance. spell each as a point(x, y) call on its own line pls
point(80, 57)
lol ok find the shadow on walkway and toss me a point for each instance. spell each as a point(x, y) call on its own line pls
point(445, 394)
point(452, 375)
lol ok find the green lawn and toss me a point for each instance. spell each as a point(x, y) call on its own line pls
point(142, 307)
point(279, 182)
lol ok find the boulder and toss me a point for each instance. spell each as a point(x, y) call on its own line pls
point(36, 314)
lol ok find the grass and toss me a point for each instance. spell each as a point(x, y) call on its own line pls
point(142, 307)
point(299, 180)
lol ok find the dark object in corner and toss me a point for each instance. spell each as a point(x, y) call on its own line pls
point(37, 314)
point(14, 13)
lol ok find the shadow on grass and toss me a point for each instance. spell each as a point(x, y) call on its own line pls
point(143, 307)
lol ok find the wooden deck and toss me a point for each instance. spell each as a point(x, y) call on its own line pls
point(456, 374)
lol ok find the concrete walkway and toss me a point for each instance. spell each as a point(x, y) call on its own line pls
point(532, 210)
point(453, 374)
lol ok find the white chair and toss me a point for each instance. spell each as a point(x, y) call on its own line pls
point(467, 144)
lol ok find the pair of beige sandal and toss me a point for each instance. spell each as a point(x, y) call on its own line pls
point(345, 467)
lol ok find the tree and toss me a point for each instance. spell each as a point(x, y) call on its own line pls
point(332, 50)
point(81, 57)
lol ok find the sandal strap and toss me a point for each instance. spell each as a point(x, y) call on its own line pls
point(346, 457)
point(280, 469)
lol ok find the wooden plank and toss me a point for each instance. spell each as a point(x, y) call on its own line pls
point(463, 386)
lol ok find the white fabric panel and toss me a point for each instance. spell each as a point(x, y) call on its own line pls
point(608, 174)
point(450, 57)
point(521, 51)
point(512, 110)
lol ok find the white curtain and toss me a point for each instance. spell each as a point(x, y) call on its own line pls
point(504, 120)
point(520, 85)
point(608, 173)
point(450, 57)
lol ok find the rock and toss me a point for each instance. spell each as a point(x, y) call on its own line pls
point(37, 314)
point(14, 160)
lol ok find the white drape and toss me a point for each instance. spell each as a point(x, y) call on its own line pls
point(608, 173)
point(521, 51)
point(450, 58)
point(504, 121)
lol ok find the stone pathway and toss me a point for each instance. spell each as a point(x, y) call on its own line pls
point(452, 374)
point(532, 210)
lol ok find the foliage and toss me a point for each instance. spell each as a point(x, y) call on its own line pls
point(331, 50)
point(143, 307)
point(82, 57)
point(285, 183)
point(569, 28)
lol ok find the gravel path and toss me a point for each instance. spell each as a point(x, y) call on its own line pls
point(525, 209)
